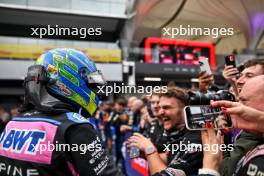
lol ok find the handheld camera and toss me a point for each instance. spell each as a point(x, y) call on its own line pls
point(200, 115)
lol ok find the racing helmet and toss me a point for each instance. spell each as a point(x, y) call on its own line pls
point(71, 75)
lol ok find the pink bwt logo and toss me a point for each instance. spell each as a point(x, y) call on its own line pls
point(21, 140)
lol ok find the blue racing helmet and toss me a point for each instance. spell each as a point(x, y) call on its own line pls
point(71, 75)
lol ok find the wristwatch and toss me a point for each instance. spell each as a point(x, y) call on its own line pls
point(150, 150)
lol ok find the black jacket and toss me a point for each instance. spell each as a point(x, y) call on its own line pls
point(78, 149)
point(188, 158)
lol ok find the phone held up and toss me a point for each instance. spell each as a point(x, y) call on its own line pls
point(230, 60)
point(201, 117)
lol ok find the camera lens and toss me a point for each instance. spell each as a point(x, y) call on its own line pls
point(197, 98)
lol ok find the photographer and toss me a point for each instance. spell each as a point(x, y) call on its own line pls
point(248, 114)
point(172, 162)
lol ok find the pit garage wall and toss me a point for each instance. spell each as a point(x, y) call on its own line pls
point(12, 73)
point(16, 70)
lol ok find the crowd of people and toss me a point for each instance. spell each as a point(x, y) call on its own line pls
point(157, 122)
point(154, 125)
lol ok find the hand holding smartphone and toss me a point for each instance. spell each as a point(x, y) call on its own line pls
point(204, 65)
point(230, 71)
point(230, 60)
point(201, 117)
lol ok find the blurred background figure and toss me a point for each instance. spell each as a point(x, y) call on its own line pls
point(4, 118)
point(14, 111)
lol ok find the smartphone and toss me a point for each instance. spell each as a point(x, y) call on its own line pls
point(201, 117)
point(230, 60)
point(204, 65)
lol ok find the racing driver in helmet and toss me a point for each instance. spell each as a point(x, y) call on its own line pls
point(51, 137)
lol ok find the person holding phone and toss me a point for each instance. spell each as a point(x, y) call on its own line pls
point(206, 78)
point(232, 164)
point(230, 72)
point(205, 81)
point(243, 116)
point(237, 79)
